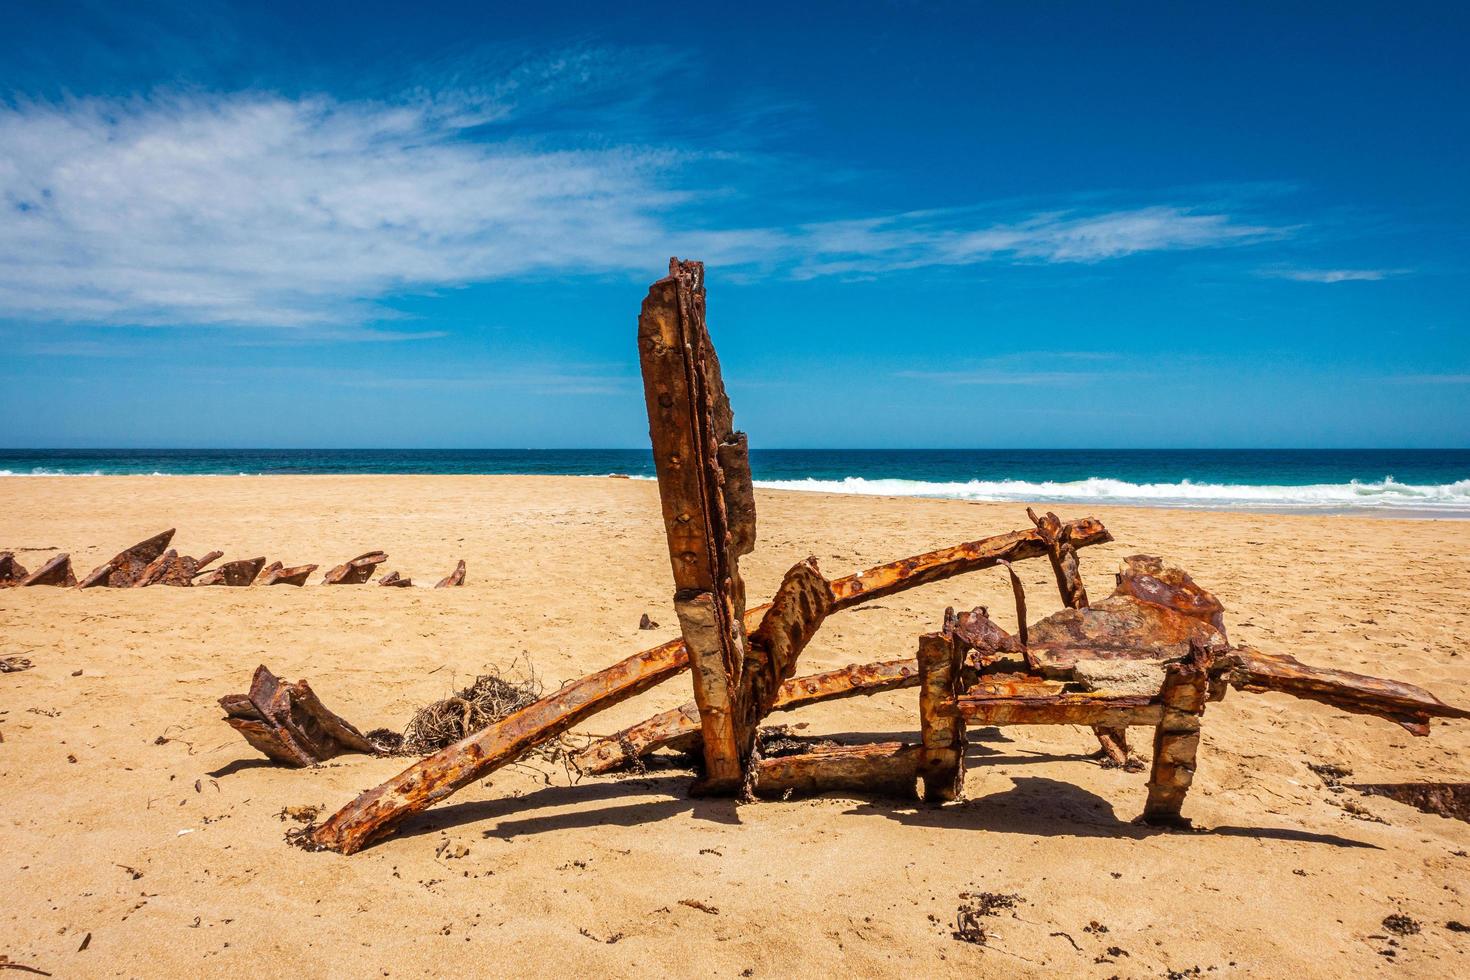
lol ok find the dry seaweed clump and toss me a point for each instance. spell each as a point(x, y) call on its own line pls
point(776, 742)
point(492, 697)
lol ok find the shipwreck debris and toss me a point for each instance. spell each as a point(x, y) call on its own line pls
point(127, 566)
point(356, 571)
point(275, 574)
point(454, 579)
point(288, 723)
point(395, 581)
point(1152, 654)
point(170, 568)
point(57, 571)
point(236, 573)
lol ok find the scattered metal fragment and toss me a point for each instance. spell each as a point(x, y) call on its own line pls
point(236, 573)
point(288, 723)
point(14, 665)
point(56, 572)
point(171, 568)
point(11, 571)
point(454, 579)
point(127, 566)
point(647, 623)
point(394, 580)
point(356, 571)
point(274, 574)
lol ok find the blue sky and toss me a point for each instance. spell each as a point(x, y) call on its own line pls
point(925, 224)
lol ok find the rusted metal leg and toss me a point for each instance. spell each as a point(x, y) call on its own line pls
point(1176, 740)
point(942, 754)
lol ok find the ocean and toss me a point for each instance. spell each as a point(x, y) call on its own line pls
point(1386, 481)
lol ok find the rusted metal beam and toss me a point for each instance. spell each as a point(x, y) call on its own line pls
point(126, 566)
point(881, 769)
point(1404, 704)
point(678, 728)
point(289, 723)
point(970, 557)
point(1063, 559)
point(708, 508)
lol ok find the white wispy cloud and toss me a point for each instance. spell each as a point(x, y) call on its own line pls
point(1025, 368)
point(1429, 379)
point(1335, 275)
point(255, 209)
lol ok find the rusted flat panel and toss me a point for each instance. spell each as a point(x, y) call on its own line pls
point(970, 557)
point(1156, 613)
point(395, 581)
point(882, 769)
point(1406, 704)
point(57, 571)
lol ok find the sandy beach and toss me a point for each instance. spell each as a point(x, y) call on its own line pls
point(143, 837)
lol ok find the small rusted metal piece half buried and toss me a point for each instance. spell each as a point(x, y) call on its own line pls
point(237, 573)
point(171, 568)
point(881, 769)
point(356, 571)
point(127, 566)
point(11, 571)
point(288, 723)
point(678, 728)
point(395, 581)
point(1405, 704)
point(275, 574)
point(57, 571)
point(1156, 614)
point(454, 579)
point(708, 508)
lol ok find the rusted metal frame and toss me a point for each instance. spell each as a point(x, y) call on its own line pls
point(1176, 739)
point(1404, 704)
point(694, 442)
point(941, 765)
point(678, 728)
point(882, 769)
point(1083, 709)
point(379, 811)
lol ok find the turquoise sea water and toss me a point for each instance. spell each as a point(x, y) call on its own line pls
point(1359, 480)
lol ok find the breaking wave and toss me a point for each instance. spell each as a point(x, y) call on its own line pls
point(1385, 494)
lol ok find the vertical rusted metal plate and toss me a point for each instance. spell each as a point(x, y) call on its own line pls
point(708, 506)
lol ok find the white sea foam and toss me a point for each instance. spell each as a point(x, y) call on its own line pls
point(1385, 494)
